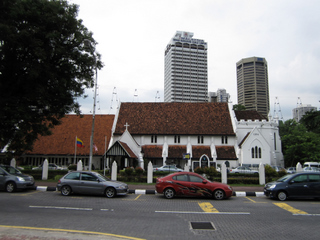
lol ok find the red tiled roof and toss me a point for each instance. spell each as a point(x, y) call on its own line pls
point(62, 140)
point(226, 153)
point(152, 151)
point(249, 115)
point(198, 151)
point(175, 118)
point(176, 151)
point(128, 150)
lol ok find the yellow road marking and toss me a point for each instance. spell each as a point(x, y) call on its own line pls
point(137, 197)
point(251, 200)
point(289, 208)
point(207, 207)
point(72, 231)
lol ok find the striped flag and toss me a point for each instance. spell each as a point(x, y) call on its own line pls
point(79, 143)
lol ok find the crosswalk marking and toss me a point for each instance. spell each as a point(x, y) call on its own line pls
point(290, 209)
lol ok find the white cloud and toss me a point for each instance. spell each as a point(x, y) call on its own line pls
point(132, 36)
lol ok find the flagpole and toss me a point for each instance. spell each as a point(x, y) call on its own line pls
point(105, 156)
point(75, 151)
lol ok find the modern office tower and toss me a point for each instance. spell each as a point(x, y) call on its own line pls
point(186, 70)
point(220, 96)
point(252, 84)
point(301, 110)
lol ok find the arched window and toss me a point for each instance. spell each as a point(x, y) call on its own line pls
point(256, 152)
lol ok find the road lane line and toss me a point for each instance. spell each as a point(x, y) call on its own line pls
point(71, 231)
point(290, 209)
point(67, 208)
point(207, 207)
point(189, 212)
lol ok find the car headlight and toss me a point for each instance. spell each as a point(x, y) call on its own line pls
point(122, 187)
point(272, 186)
point(20, 179)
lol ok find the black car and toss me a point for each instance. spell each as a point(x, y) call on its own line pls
point(298, 185)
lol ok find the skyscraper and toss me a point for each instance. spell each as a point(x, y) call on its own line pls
point(186, 70)
point(252, 84)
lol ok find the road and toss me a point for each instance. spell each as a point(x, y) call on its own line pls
point(153, 217)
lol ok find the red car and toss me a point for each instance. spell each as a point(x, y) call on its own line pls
point(191, 184)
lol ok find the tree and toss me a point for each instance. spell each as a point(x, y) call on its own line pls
point(44, 67)
point(238, 107)
point(298, 144)
point(312, 121)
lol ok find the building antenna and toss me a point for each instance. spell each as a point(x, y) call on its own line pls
point(277, 109)
point(114, 98)
point(135, 96)
point(157, 97)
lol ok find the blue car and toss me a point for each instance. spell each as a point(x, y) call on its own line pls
point(297, 185)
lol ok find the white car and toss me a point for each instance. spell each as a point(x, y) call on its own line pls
point(51, 166)
point(242, 169)
point(168, 168)
point(291, 170)
point(310, 169)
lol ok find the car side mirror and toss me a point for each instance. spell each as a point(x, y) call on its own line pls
point(291, 182)
point(204, 181)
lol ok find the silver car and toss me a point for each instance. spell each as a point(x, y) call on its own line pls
point(87, 182)
point(168, 168)
point(244, 170)
point(11, 179)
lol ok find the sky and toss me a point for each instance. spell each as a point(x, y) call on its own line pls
point(133, 34)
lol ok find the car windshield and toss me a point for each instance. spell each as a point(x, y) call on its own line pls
point(284, 178)
point(10, 169)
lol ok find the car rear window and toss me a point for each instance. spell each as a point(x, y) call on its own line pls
point(314, 178)
point(73, 176)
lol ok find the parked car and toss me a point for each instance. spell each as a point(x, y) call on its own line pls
point(297, 185)
point(11, 179)
point(243, 169)
point(87, 182)
point(278, 168)
point(51, 166)
point(191, 184)
point(310, 169)
point(168, 168)
point(291, 170)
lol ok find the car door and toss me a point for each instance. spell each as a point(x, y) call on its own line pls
point(197, 187)
point(89, 184)
point(2, 179)
point(299, 186)
point(181, 184)
point(314, 185)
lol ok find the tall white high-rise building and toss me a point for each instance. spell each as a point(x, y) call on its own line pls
point(186, 69)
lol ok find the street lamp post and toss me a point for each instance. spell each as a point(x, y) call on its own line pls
point(87, 42)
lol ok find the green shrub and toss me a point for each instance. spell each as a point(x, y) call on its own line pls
point(57, 177)
point(128, 171)
point(72, 167)
point(199, 170)
point(139, 171)
point(269, 171)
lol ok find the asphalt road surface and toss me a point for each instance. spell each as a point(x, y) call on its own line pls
point(48, 215)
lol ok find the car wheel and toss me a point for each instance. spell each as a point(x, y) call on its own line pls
point(218, 194)
point(10, 187)
point(110, 192)
point(169, 193)
point(66, 190)
point(282, 196)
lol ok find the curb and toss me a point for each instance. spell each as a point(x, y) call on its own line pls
point(142, 191)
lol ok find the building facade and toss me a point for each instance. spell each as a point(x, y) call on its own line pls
point(220, 96)
point(186, 70)
point(302, 109)
point(253, 84)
